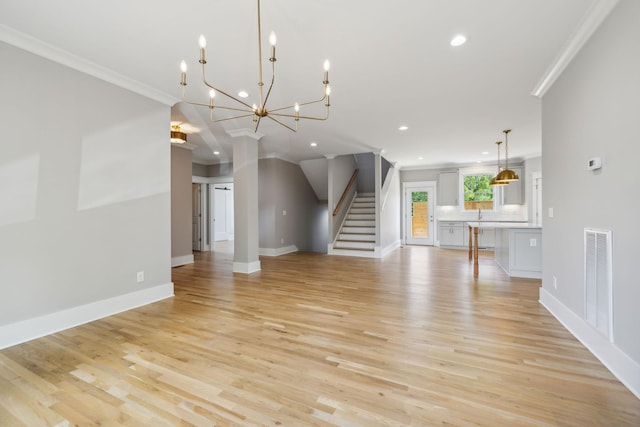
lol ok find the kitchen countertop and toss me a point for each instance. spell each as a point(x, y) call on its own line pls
point(490, 224)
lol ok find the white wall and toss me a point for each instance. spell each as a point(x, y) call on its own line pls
point(390, 221)
point(593, 110)
point(84, 197)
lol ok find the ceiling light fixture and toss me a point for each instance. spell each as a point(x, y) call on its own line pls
point(458, 40)
point(403, 128)
point(257, 111)
point(506, 175)
point(243, 94)
point(177, 136)
point(493, 181)
point(314, 144)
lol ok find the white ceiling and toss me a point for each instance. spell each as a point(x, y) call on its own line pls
point(391, 64)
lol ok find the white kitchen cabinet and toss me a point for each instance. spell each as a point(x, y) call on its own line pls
point(448, 189)
point(450, 233)
point(512, 193)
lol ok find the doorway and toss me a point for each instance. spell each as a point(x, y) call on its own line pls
point(419, 205)
point(536, 199)
point(222, 218)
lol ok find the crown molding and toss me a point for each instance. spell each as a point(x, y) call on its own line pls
point(61, 56)
point(590, 22)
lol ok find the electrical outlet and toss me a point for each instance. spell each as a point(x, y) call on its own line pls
point(555, 282)
point(550, 212)
point(140, 276)
point(282, 240)
point(533, 242)
point(284, 213)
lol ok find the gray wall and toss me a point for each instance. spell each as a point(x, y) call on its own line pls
point(84, 184)
point(367, 172)
point(593, 110)
point(283, 187)
point(181, 204)
point(210, 171)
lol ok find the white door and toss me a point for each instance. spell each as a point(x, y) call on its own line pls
point(223, 212)
point(419, 221)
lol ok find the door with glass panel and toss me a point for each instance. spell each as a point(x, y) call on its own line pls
point(419, 206)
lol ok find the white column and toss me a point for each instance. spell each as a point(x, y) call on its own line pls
point(245, 201)
point(378, 193)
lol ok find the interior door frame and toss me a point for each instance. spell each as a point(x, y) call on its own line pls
point(432, 188)
point(536, 202)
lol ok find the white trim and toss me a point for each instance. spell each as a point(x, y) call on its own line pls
point(26, 330)
point(592, 19)
point(278, 251)
point(619, 363)
point(182, 260)
point(211, 180)
point(235, 133)
point(61, 56)
point(246, 267)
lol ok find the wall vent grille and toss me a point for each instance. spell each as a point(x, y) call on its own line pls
point(598, 280)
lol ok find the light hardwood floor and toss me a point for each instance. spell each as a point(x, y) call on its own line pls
point(410, 340)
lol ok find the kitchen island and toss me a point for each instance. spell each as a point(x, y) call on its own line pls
point(518, 247)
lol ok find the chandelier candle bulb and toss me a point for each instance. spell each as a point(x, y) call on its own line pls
point(183, 73)
point(326, 72)
point(272, 42)
point(212, 94)
point(203, 45)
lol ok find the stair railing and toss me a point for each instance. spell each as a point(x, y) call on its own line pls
point(346, 191)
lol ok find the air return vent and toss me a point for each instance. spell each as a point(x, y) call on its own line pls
point(597, 280)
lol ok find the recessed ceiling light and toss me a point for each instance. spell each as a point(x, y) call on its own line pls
point(243, 94)
point(216, 153)
point(458, 40)
point(314, 144)
point(484, 153)
point(403, 127)
point(420, 158)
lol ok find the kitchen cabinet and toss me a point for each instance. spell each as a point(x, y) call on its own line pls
point(450, 233)
point(512, 193)
point(448, 189)
point(519, 250)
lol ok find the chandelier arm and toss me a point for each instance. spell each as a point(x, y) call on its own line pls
point(222, 107)
point(271, 113)
point(225, 94)
point(282, 124)
point(300, 105)
point(231, 118)
point(273, 79)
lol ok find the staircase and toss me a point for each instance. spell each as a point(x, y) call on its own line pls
point(357, 237)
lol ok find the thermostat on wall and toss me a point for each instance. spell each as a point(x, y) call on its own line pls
point(594, 163)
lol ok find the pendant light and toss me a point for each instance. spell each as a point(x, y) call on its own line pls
point(506, 175)
point(493, 181)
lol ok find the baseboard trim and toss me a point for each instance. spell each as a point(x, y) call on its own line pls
point(27, 330)
point(621, 366)
point(277, 251)
point(246, 267)
point(182, 260)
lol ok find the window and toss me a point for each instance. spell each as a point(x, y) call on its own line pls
point(478, 194)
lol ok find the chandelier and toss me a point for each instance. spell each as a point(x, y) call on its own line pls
point(257, 111)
